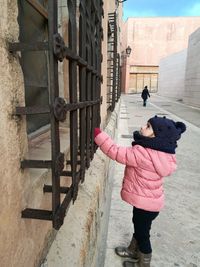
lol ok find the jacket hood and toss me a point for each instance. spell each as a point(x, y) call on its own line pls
point(164, 163)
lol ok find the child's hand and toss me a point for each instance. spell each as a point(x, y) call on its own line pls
point(96, 131)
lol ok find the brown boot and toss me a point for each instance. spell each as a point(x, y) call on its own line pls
point(133, 246)
point(129, 252)
point(130, 264)
point(144, 259)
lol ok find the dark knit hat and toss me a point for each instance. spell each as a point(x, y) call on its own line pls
point(166, 131)
point(166, 128)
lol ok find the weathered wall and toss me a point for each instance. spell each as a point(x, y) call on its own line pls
point(21, 241)
point(24, 242)
point(192, 76)
point(172, 75)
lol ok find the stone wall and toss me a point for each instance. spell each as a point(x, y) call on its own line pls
point(25, 242)
point(21, 241)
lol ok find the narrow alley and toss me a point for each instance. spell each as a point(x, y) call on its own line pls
point(70, 69)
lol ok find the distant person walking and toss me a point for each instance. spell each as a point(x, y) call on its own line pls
point(145, 94)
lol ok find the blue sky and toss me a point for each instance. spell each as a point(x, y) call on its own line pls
point(159, 8)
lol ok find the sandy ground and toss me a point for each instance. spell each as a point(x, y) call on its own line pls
point(175, 233)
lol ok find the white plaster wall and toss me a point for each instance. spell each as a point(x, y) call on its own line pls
point(172, 75)
point(192, 77)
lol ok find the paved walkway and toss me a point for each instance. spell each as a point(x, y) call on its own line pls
point(176, 232)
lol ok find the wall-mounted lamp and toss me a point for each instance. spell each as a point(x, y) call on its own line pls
point(128, 51)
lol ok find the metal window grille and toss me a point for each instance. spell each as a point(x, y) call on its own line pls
point(118, 79)
point(85, 78)
point(113, 78)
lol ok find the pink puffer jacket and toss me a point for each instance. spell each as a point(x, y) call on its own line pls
point(143, 176)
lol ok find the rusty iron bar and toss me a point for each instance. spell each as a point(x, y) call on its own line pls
point(72, 37)
point(38, 7)
point(94, 62)
point(68, 162)
point(32, 110)
point(99, 62)
point(38, 46)
point(54, 92)
point(102, 10)
point(98, 37)
point(40, 164)
point(59, 218)
point(82, 88)
point(69, 173)
point(49, 189)
point(37, 214)
point(61, 107)
point(63, 209)
point(88, 81)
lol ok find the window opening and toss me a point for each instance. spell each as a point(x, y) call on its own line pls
point(84, 58)
point(33, 28)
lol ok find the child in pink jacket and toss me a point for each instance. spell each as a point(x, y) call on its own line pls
point(150, 158)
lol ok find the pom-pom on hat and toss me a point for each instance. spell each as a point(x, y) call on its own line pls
point(166, 128)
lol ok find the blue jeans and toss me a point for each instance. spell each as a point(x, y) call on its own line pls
point(142, 221)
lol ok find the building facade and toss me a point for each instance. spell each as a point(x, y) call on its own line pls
point(152, 39)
